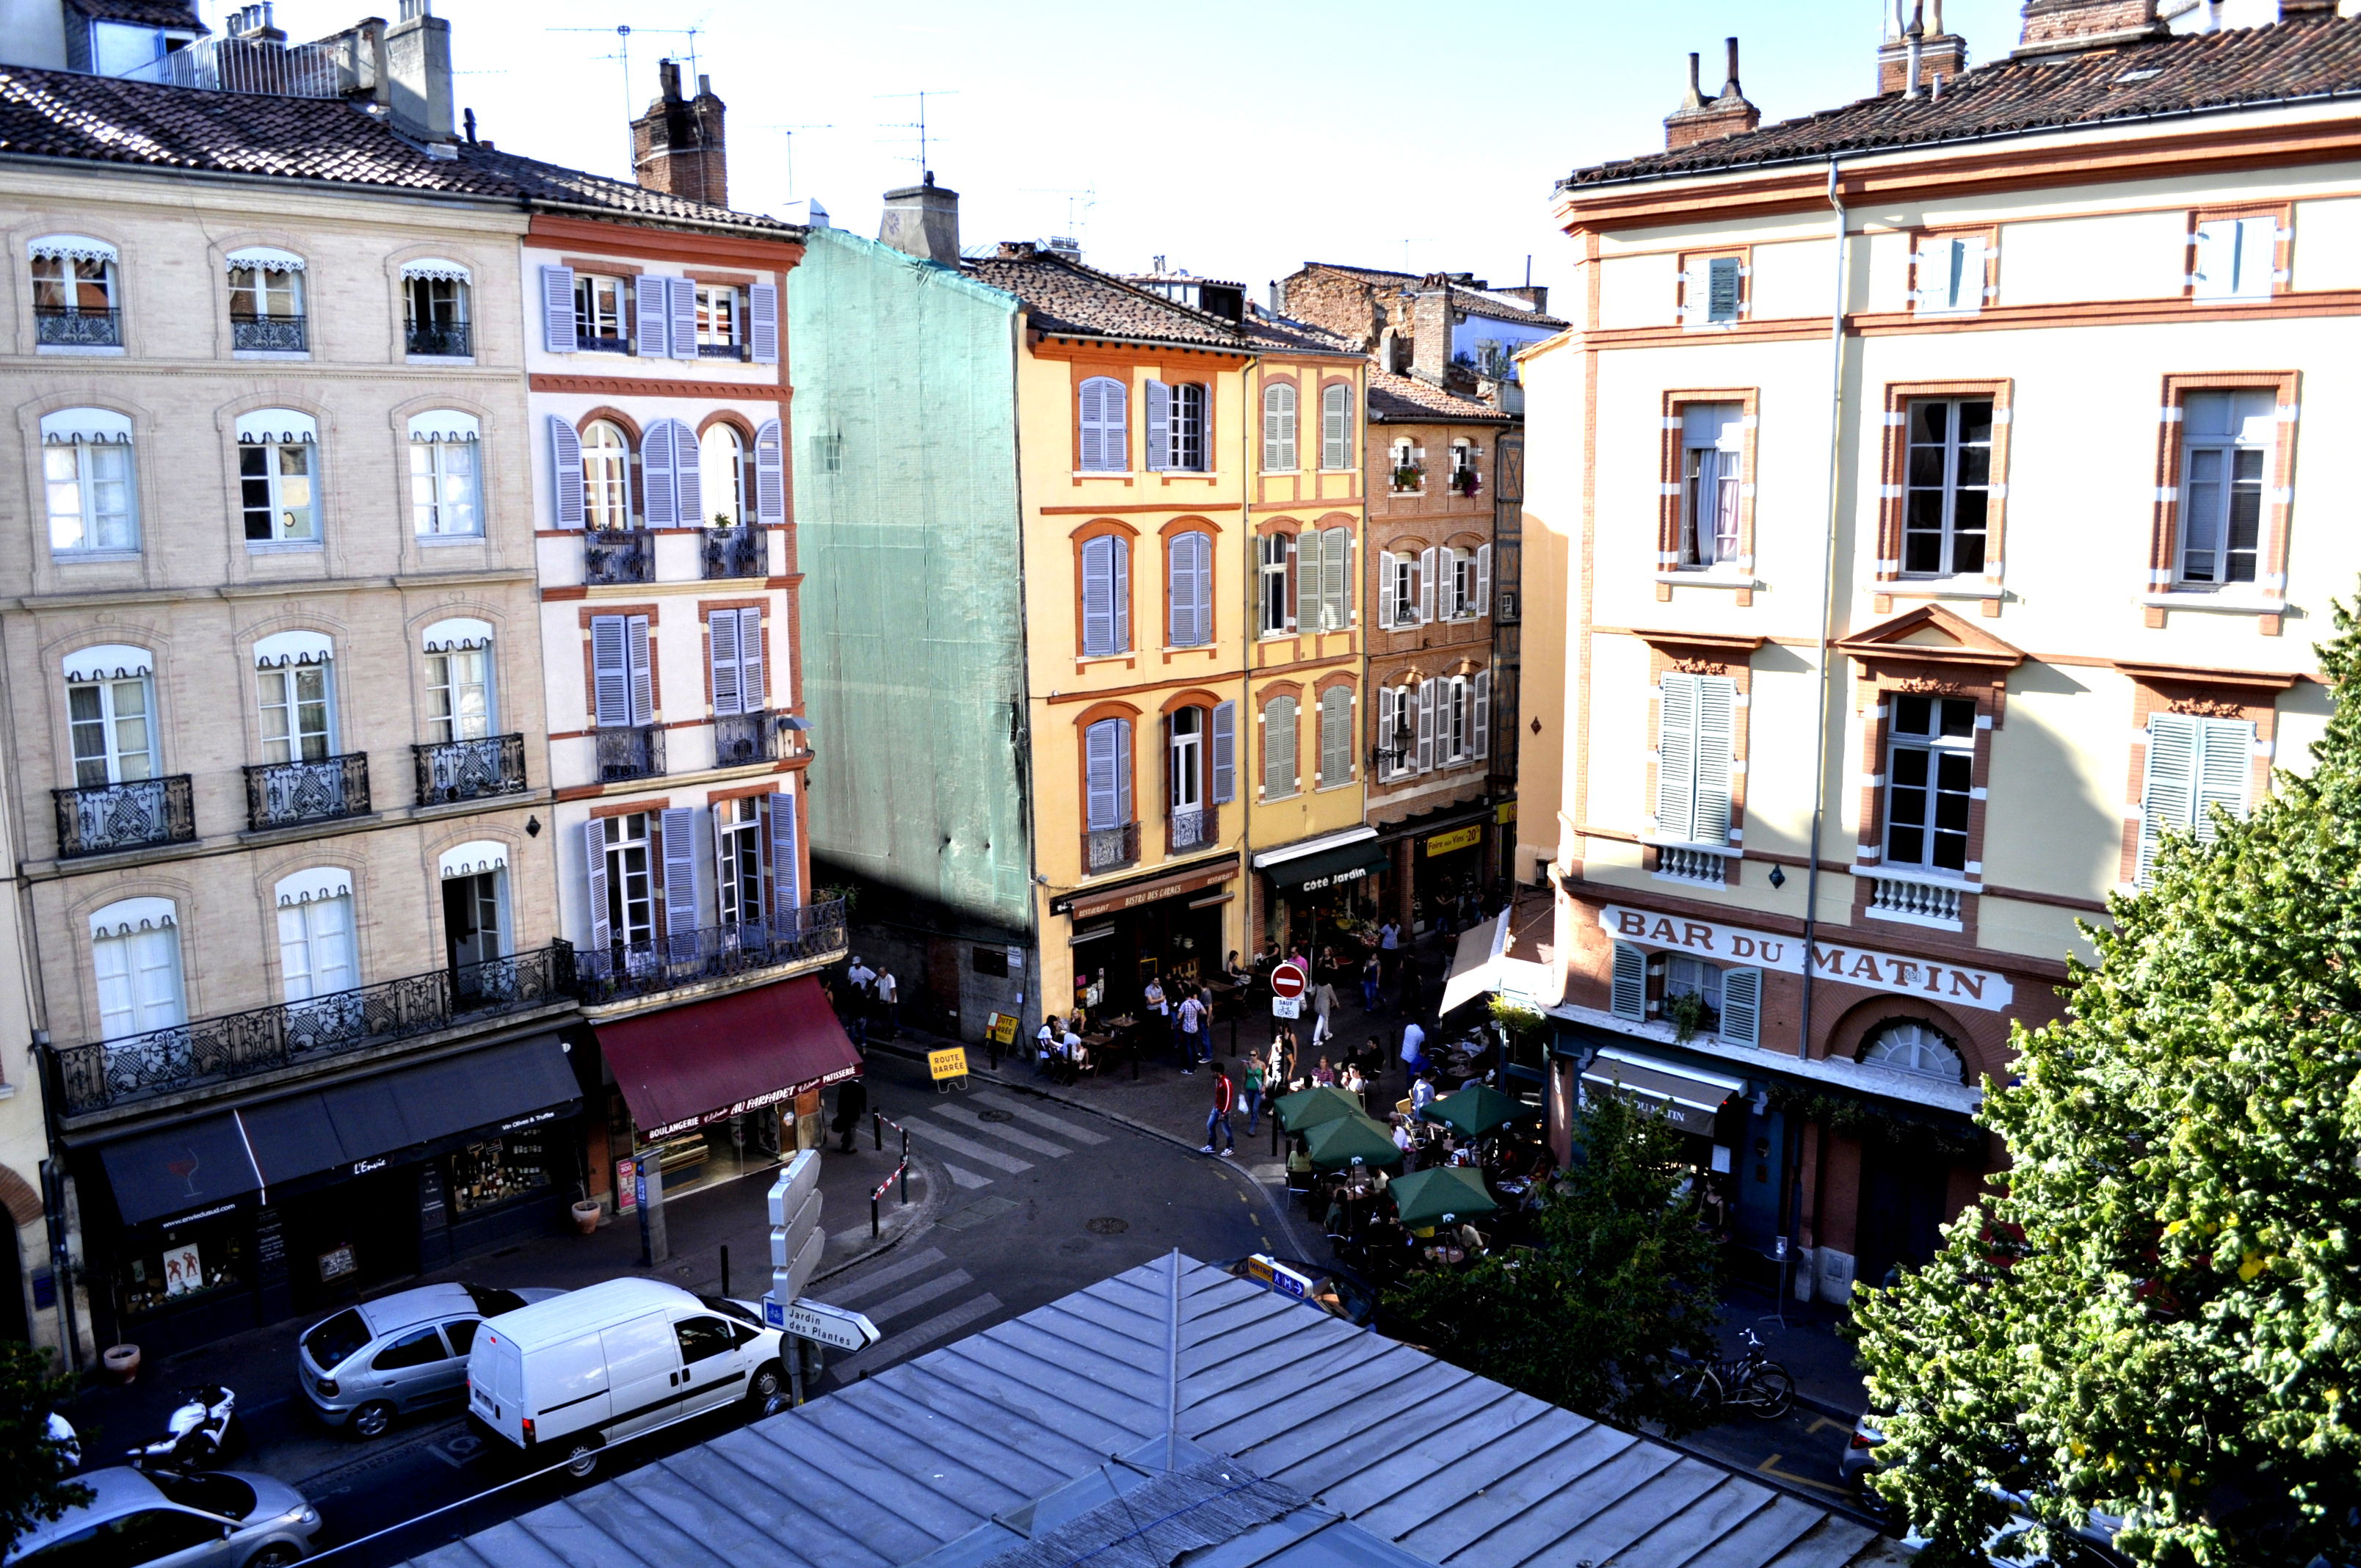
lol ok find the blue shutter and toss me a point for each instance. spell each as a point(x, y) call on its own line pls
point(659, 483)
point(1092, 416)
point(558, 310)
point(687, 477)
point(1122, 621)
point(1226, 752)
point(1098, 596)
point(635, 646)
point(652, 307)
point(682, 292)
point(611, 672)
point(1159, 427)
point(565, 471)
point(1181, 591)
point(721, 647)
point(679, 823)
point(770, 476)
point(594, 866)
point(750, 689)
point(762, 323)
point(786, 871)
point(1100, 796)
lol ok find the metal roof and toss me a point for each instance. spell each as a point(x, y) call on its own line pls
point(1173, 1409)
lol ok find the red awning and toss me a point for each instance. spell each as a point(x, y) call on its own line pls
point(686, 1066)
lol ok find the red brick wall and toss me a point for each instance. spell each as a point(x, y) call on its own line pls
point(2062, 21)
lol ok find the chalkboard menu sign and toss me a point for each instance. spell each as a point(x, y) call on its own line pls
point(432, 1214)
point(269, 1245)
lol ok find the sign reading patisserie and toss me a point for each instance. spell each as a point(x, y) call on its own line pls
point(1841, 961)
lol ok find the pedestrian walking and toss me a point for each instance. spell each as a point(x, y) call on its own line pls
point(1373, 976)
point(889, 1002)
point(851, 1104)
point(1414, 1051)
point(1217, 1120)
point(1193, 1034)
point(1252, 1093)
point(1324, 1008)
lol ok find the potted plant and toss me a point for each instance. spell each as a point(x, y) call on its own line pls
point(588, 1211)
point(1409, 475)
point(1689, 1014)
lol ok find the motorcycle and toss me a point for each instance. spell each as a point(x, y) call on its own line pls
point(204, 1430)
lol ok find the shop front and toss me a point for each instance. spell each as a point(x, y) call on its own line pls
point(1709, 1109)
point(1170, 927)
point(1434, 862)
point(1318, 896)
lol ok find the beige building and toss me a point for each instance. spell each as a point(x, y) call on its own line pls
point(1815, 856)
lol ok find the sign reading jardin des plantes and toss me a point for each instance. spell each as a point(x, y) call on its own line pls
point(1842, 961)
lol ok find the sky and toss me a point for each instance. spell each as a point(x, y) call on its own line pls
point(1237, 138)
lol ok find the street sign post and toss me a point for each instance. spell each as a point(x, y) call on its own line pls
point(1287, 984)
point(1287, 1007)
point(838, 1328)
point(1277, 1278)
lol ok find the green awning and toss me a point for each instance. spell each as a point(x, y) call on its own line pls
point(1335, 1145)
point(1479, 1110)
point(1308, 1108)
point(1328, 869)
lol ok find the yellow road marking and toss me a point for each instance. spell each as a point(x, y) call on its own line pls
point(1822, 1423)
point(1770, 1467)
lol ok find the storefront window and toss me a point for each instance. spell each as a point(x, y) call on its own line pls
point(500, 1170)
point(182, 1263)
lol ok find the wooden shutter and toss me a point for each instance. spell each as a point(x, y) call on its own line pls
point(1159, 425)
point(1092, 416)
point(611, 675)
point(593, 869)
point(1280, 718)
point(1741, 1006)
point(659, 484)
point(558, 310)
point(652, 312)
point(1628, 996)
point(1225, 744)
point(1098, 596)
point(1335, 428)
point(1180, 590)
point(1483, 605)
point(565, 471)
point(762, 323)
point(1204, 551)
point(1336, 735)
point(683, 299)
point(1122, 770)
point(1335, 578)
point(786, 867)
point(1385, 559)
point(1100, 795)
point(1426, 585)
point(770, 476)
point(679, 828)
point(1676, 747)
point(1721, 289)
point(1388, 720)
point(2168, 799)
point(1122, 550)
point(2226, 765)
point(750, 689)
point(1482, 725)
point(721, 646)
point(1716, 703)
point(1426, 694)
point(636, 645)
point(688, 476)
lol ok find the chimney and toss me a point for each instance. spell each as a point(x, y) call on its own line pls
point(677, 145)
point(922, 220)
point(1697, 121)
point(1533, 294)
point(1940, 54)
point(2060, 26)
point(418, 72)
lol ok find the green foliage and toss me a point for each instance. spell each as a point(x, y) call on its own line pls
point(2176, 1339)
point(33, 1487)
point(1525, 1025)
point(1624, 1276)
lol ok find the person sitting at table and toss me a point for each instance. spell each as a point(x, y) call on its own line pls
point(1350, 1080)
point(1044, 1045)
point(1324, 1073)
point(1070, 1052)
point(1237, 973)
point(1421, 1092)
point(1402, 1139)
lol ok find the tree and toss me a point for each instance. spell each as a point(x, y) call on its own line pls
point(1623, 1278)
point(2159, 1316)
point(33, 1465)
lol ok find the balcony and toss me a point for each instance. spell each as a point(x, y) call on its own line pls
point(1110, 849)
point(741, 739)
point(1916, 902)
point(1678, 863)
point(105, 818)
point(240, 64)
point(270, 334)
point(618, 555)
point(452, 340)
point(625, 969)
point(736, 552)
point(469, 770)
point(1193, 828)
point(635, 753)
point(297, 1033)
point(56, 328)
point(288, 794)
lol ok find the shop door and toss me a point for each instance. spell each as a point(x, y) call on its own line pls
point(351, 1238)
point(1901, 1207)
point(1762, 1181)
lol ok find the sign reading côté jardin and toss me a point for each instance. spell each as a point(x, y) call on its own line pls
point(1841, 961)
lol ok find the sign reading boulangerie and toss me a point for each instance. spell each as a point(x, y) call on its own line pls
point(1830, 961)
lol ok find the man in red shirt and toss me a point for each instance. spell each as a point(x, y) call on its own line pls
point(1217, 1120)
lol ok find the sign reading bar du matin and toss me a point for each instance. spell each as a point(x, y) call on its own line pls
point(1840, 961)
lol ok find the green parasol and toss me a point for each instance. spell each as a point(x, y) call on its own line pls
point(1308, 1108)
point(1423, 1196)
point(1478, 1110)
point(1337, 1144)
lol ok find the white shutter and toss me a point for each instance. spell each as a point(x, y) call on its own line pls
point(652, 307)
point(1280, 719)
point(1629, 997)
point(558, 309)
point(1121, 549)
point(1098, 776)
point(1483, 605)
point(636, 645)
point(1426, 558)
point(2216, 259)
point(1388, 720)
point(1159, 425)
point(1717, 701)
point(770, 476)
point(610, 677)
point(1226, 742)
point(2226, 765)
point(1385, 559)
point(1335, 580)
point(1180, 590)
point(1291, 580)
point(688, 481)
point(659, 487)
point(679, 828)
point(1098, 596)
point(721, 640)
point(1741, 1006)
point(1482, 726)
point(762, 323)
point(682, 292)
point(718, 823)
point(1676, 742)
point(786, 869)
point(2168, 799)
point(2258, 254)
point(564, 472)
point(594, 865)
point(1092, 418)
point(750, 689)
point(1426, 690)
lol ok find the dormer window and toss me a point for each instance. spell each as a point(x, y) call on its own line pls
point(75, 303)
point(266, 301)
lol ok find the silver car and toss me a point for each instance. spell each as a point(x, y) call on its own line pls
point(219, 1519)
point(400, 1353)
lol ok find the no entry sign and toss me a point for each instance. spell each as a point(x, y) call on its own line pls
point(1288, 980)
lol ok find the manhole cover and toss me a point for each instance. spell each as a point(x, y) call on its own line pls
point(989, 1115)
point(1107, 1227)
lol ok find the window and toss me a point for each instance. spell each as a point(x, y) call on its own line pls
point(1408, 464)
point(472, 923)
point(2193, 766)
point(598, 318)
point(1106, 441)
point(2236, 259)
point(434, 308)
point(458, 696)
point(74, 300)
point(1188, 589)
point(1185, 765)
point(1325, 578)
point(2226, 443)
point(720, 328)
point(738, 859)
point(735, 649)
point(1909, 1046)
point(1729, 1001)
point(701, 1339)
point(1694, 734)
point(420, 1347)
point(1279, 776)
point(136, 955)
point(606, 476)
point(1712, 451)
point(445, 485)
point(266, 301)
point(1717, 295)
point(1396, 738)
point(1275, 614)
point(1335, 737)
point(624, 897)
point(1686, 976)
point(1950, 273)
point(295, 714)
point(1176, 427)
point(721, 467)
point(278, 465)
point(1278, 429)
point(1930, 762)
point(1106, 765)
point(622, 694)
point(86, 470)
point(1335, 427)
point(1467, 582)
point(152, 1533)
point(1397, 591)
point(1107, 595)
point(1947, 485)
point(1466, 480)
point(113, 742)
point(316, 934)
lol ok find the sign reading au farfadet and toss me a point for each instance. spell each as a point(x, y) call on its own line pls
point(1946, 982)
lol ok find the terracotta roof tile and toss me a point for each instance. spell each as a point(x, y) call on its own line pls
point(1067, 296)
point(1404, 400)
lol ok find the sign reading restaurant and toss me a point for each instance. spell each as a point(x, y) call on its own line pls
point(1830, 961)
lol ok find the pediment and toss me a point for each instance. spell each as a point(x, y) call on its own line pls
point(1932, 635)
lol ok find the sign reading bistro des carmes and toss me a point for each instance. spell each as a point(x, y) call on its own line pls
point(1830, 961)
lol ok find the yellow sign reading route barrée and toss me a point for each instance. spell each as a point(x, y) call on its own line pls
point(951, 1063)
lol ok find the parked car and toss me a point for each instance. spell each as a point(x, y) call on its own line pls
point(370, 1362)
point(220, 1518)
point(2091, 1546)
point(564, 1378)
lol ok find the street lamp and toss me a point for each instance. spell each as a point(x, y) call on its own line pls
point(1394, 758)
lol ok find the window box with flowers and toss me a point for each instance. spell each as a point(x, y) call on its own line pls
point(1410, 476)
point(1467, 482)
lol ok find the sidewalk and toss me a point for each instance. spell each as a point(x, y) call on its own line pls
point(1819, 1358)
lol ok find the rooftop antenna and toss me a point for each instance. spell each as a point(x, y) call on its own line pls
point(1417, 239)
point(1078, 205)
point(623, 31)
point(789, 132)
point(920, 125)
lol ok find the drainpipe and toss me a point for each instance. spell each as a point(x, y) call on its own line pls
point(1827, 610)
point(1249, 418)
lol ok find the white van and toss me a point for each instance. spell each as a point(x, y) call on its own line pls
point(568, 1376)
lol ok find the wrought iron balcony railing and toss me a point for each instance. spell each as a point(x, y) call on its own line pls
point(450, 340)
point(103, 819)
point(469, 770)
point(1191, 828)
point(287, 795)
point(618, 555)
point(1109, 849)
point(276, 335)
point(625, 969)
point(635, 753)
point(739, 738)
point(736, 552)
point(55, 328)
point(294, 1033)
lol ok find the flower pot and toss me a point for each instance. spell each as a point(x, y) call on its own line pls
point(587, 1216)
point(122, 1362)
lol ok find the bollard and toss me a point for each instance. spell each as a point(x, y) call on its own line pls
point(725, 1268)
point(906, 1177)
point(906, 1144)
point(872, 1216)
point(877, 1130)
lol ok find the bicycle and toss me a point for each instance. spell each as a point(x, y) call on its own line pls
point(1752, 1383)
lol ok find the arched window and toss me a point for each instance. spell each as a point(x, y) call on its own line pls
point(1335, 737)
point(606, 476)
point(446, 481)
point(434, 308)
point(1908, 1046)
point(86, 470)
point(1107, 595)
point(316, 934)
point(1189, 588)
point(475, 914)
point(1111, 838)
point(266, 301)
point(278, 475)
point(291, 669)
point(1279, 775)
point(135, 948)
point(721, 463)
point(110, 706)
point(1278, 428)
point(1409, 462)
point(1105, 439)
point(458, 682)
point(75, 303)
point(1336, 427)
point(1185, 772)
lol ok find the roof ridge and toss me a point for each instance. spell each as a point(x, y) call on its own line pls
point(1128, 286)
